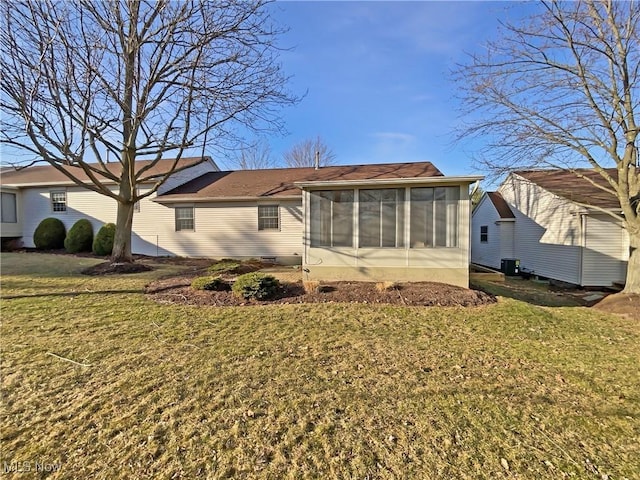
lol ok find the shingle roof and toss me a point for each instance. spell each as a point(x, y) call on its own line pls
point(568, 185)
point(280, 182)
point(47, 174)
point(501, 206)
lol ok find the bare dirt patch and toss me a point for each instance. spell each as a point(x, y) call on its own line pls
point(178, 290)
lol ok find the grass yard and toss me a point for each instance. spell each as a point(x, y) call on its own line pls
point(100, 382)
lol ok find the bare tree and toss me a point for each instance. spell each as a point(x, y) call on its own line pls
point(304, 153)
point(88, 79)
point(476, 195)
point(562, 90)
point(254, 156)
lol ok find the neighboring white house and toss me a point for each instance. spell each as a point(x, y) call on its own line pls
point(553, 222)
point(397, 222)
point(492, 237)
point(43, 191)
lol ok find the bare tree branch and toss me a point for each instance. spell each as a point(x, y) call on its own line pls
point(255, 156)
point(304, 153)
point(562, 90)
point(88, 81)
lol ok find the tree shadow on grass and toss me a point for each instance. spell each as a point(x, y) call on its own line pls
point(69, 294)
point(525, 292)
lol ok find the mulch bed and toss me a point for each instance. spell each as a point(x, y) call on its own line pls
point(177, 290)
point(108, 268)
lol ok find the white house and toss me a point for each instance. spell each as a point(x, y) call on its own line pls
point(397, 221)
point(556, 224)
point(43, 191)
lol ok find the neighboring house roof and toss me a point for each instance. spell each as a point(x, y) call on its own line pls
point(568, 185)
point(49, 175)
point(280, 182)
point(501, 206)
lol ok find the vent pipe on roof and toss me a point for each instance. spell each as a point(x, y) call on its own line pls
point(317, 162)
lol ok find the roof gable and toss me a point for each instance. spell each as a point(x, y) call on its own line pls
point(570, 186)
point(280, 182)
point(501, 206)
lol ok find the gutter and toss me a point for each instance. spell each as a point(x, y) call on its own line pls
point(60, 184)
point(443, 180)
point(186, 199)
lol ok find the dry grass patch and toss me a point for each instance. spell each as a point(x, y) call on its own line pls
point(311, 286)
point(386, 286)
point(315, 391)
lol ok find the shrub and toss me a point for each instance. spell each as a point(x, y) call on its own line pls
point(226, 265)
point(80, 237)
point(103, 242)
point(210, 283)
point(49, 234)
point(255, 285)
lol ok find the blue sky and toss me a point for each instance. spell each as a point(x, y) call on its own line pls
point(378, 76)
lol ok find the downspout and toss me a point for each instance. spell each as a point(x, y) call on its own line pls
point(583, 244)
point(306, 239)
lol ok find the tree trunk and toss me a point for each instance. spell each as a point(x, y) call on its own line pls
point(633, 268)
point(122, 242)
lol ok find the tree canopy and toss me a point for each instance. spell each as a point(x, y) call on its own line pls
point(91, 81)
point(562, 89)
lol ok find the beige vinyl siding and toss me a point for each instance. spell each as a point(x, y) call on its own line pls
point(547, 236)
point(486, 253)
point(604, 250)
point(81, 203)
point(221, 230)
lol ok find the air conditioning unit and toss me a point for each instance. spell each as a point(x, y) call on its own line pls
point(510, 266)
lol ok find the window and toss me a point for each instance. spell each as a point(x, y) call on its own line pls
point(484, 233)
point(332, 218)
point(381, 217)
point(8, 207)
point(184, 219)
point(59, 201)
point(268, 217)
point(434, 217)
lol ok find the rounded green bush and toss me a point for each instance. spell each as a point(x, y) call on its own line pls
point(209, 283)
point(103, 242)
point(80, 237)
point(49, 234)
point(256, 285)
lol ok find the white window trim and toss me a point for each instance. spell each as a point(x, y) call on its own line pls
point(193, 218)
point(485, 234)
point(278, 217)
point(66, 201)
point(15, 208)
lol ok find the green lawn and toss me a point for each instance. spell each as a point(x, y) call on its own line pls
point(306, 391)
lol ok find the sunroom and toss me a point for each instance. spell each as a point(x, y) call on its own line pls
point(387, 230)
